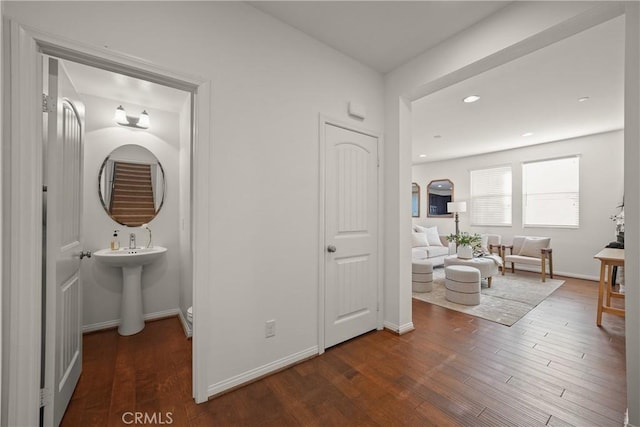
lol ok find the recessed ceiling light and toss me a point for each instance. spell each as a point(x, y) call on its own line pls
point(584, 98)
point(527, 134)
point(422, 156)
point(471, 98)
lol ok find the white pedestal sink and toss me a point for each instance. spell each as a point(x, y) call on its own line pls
point(131, 262)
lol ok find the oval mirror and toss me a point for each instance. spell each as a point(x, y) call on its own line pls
point(439, 193)
point(131, 185)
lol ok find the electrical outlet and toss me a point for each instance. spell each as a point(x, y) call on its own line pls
point(270, 329)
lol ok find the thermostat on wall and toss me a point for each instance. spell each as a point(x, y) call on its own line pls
point(357, 110)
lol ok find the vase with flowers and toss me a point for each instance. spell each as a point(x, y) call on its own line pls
point(618, 219)
point(465, 243)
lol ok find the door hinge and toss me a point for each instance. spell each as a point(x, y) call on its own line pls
point(45, 397)
point(48, 104)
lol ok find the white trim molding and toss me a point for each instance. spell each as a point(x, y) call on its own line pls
point(261, 371)
point(399, 329)
point(186, 326)
point(109, 324)
point(21, 231)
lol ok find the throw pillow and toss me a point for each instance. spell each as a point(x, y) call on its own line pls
point(419, 229)
point(532, 246)
point(432, 236)
point(484, 243)
point(419, 239)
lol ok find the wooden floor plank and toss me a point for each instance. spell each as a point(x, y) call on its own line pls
point(553, 367)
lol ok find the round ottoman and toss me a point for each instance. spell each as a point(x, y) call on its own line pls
point(486, 264)
point(462, 284)
point(421, 276)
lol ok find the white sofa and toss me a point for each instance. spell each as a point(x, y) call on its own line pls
point(434, 251)
point(436, 254)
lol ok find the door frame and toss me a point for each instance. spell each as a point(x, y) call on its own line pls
point(322, 122)
point(22, 178)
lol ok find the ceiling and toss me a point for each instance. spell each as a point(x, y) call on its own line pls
point(537, 93)
point(380, 34)
point(124, 89)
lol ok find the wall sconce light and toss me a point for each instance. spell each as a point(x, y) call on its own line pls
point(122, 119)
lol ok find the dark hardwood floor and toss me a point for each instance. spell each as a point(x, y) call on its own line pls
point(553, 367)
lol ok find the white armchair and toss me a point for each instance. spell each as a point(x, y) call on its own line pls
point(531, 251)
point(491, 243)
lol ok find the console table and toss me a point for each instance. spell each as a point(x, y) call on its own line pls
point(609, 258)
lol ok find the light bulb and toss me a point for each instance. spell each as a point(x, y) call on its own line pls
point(121, 116)
point(143, 121)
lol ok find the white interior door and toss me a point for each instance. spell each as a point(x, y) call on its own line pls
point(351, 234)
point(63, 242)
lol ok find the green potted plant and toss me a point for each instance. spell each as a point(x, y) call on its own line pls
point(465, 243)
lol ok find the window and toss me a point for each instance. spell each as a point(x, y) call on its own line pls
point(550, 193)
point(491, 196)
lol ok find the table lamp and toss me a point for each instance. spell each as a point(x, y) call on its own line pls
point(455, 208)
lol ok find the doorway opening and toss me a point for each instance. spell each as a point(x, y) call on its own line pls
point(22, 227)
point(464, 78)
point(114, 209)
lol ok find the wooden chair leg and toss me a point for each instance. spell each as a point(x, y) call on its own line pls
point(600, 293)
point(551, 264)
point(544, 269)
point(609, 284)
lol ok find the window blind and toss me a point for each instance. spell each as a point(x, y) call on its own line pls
point(551, 193)
point(491, 196)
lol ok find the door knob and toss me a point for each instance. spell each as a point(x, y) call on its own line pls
point(331, 248)
point(85, 254)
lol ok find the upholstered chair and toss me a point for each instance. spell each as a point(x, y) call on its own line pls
point(531, 251)
point(491, 243)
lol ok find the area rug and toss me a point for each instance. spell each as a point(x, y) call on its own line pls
point(509, 298)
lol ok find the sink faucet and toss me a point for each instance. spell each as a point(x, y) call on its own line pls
point(132, 241)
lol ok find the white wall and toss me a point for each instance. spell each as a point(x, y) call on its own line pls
point(601, 190)
point(102, 285)
point(269, 85)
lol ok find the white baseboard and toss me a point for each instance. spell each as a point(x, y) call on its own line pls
point(185, 325)
point(626, 419)
point(115, 323)
point(261, 371)
point(399, 329)
point(557, 273)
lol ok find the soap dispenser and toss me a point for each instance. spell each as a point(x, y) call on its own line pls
point(115, 242)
